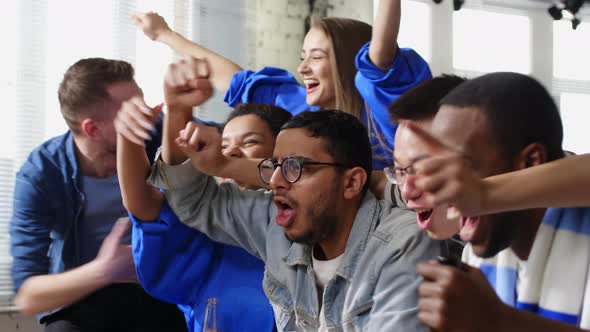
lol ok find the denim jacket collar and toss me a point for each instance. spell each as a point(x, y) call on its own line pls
point(298, 254)
point(364, 223)
point(71, 155)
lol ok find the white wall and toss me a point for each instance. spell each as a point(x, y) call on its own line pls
point(279, 33)
point(220, 26)
point(280, 28)
point(358, 10)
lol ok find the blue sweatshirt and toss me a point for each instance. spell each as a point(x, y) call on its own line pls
point(378, 89)
point(180, 265)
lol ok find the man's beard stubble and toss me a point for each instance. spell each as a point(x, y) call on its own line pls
point(323, 219)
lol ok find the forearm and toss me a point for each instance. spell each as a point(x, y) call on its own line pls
point(385, 31)
point(221, 68)
point(174, 121)
point(561, 183)
point(133, 167)
point(224, 213)
point(519, 320)
point(242, 170)
point(48, 292)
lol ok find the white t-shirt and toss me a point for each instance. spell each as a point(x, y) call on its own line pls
point(324, 272)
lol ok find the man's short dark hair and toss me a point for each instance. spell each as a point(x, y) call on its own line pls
point(519, 109)
point(346, 137)
point(274, 116)
point(422, 101)
point(85, 84)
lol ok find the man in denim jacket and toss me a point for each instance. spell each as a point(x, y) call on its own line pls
point(66, 201)
point(336, 258)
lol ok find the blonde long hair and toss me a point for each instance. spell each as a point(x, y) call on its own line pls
point(347, 37)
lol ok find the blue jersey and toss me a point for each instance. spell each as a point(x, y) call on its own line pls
point(269, 85)
point(180, 265)
point(378, 89)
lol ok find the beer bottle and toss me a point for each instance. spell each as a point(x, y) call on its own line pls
point(210, 321)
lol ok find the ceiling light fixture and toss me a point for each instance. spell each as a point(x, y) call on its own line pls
point(568, 7)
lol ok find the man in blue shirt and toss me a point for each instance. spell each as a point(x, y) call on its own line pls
point(66, 201)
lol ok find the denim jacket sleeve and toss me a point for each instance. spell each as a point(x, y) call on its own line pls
point(223, 212)
point(29, 228)
point(395, 306)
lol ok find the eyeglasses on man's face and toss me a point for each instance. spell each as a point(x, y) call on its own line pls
point(397, 175)
point(291, 168)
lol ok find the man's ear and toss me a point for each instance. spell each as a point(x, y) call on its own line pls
point(532, 155)
point(90, 128)
point(354, 182)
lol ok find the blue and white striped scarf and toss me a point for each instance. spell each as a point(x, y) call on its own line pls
point(554, 281)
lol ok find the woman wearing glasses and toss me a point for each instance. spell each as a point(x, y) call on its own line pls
point(179, 264)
